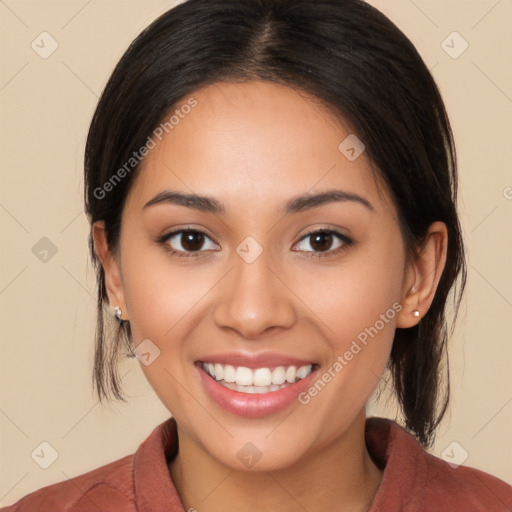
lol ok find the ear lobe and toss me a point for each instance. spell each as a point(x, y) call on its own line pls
point(111, 268)
point(423, 275)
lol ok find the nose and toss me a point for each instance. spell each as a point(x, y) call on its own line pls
point(254, 300)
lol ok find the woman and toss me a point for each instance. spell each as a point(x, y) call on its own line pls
point(272, 189)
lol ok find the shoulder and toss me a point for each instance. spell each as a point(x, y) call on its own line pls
point(129, 484)
point(415, 480)
point(455, 486)
point(108, 488)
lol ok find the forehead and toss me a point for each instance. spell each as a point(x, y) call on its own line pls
point(254, 144)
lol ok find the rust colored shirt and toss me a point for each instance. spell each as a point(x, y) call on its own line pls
point(413, 480)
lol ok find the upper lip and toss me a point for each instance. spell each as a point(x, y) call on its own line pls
point(248, 360)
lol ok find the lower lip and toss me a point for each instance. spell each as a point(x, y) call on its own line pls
point(253, 405)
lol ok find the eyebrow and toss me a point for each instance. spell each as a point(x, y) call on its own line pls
point(294, 205)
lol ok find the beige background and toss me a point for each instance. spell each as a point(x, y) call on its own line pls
point(48, 308)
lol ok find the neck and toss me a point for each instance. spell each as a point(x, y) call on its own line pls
point(338, 476)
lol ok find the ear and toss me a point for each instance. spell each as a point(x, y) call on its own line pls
point(423, 275)
point(111, 267)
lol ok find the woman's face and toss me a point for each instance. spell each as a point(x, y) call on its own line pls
point(258, 291)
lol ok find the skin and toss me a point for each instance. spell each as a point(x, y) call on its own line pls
point(253, 146)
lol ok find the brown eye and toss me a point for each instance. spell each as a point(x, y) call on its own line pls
point(188, 241)
point(324, 241)
point(192, 240)
point(321, 241)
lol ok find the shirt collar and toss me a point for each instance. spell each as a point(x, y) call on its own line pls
point(154, 490)
point(405, 467)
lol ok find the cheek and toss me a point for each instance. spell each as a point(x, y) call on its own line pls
point(352, 295)
point(357, 303)
point(158, 293)
point(160, 300)
point(359, 319)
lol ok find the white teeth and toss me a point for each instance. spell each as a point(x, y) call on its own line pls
point(278, 375)
point(262, 377)
point(219, 371)
point(251, 389)
point(259, 378)
point(243, 376)
point(291, 372)
point(229, 373)
point(304, 371)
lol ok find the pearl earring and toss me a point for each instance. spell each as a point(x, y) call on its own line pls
point(416, 313)
point(118, 312)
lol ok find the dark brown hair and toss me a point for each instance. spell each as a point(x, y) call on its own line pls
point(355, 61)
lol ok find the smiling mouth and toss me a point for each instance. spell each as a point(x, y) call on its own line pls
point(257, 380)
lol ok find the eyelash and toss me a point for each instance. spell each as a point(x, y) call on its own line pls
point(347, 243)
